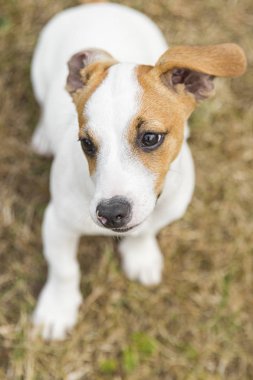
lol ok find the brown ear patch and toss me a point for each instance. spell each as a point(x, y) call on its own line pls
point(79, 61)
point(223, 60)
point(194, 67)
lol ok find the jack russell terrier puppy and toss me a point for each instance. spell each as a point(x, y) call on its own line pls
point(131, 173)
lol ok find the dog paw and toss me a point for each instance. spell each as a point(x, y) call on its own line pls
point(147, 275)
point(55, 314)
point(142, 262)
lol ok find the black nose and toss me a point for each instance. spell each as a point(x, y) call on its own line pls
point(114, 212)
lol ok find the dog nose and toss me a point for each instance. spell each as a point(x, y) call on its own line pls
point(114, 212)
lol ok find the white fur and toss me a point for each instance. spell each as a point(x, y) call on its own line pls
point(129, 36)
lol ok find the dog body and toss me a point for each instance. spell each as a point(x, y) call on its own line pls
point(138, 174)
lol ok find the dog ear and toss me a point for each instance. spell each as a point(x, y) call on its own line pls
point(194, 67)
point(79, 61)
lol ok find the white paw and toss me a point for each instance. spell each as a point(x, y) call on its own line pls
point(142, 260)
point(39, 143)
point(56, 314)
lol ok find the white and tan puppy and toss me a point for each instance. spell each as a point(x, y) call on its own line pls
point(131, 173)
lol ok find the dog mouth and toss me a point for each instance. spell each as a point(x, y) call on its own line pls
point(122, 230)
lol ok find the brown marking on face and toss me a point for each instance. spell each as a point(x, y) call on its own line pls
point(182, 76)
point(92, 76)
point(92, 159)
point(161, 111)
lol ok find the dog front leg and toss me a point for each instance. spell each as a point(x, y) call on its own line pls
point(58, 304)
point(142, 259)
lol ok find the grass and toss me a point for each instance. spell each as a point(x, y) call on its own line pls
point(198, 324)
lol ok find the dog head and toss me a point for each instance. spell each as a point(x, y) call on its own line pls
point(131, 121)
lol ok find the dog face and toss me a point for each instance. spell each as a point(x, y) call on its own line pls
point(131, 122)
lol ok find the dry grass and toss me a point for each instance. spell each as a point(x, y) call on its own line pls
point(198, 325)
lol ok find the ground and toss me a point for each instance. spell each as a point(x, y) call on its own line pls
point(198, 325)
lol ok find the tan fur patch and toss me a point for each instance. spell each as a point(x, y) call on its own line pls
point(223, 60)
point(92, 161)
point(92, 76)
point(161, 111)
point(167, 107)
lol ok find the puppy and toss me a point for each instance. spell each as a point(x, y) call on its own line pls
point(131, 173)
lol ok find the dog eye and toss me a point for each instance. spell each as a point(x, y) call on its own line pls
point(88, 147)
point(150, 141)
